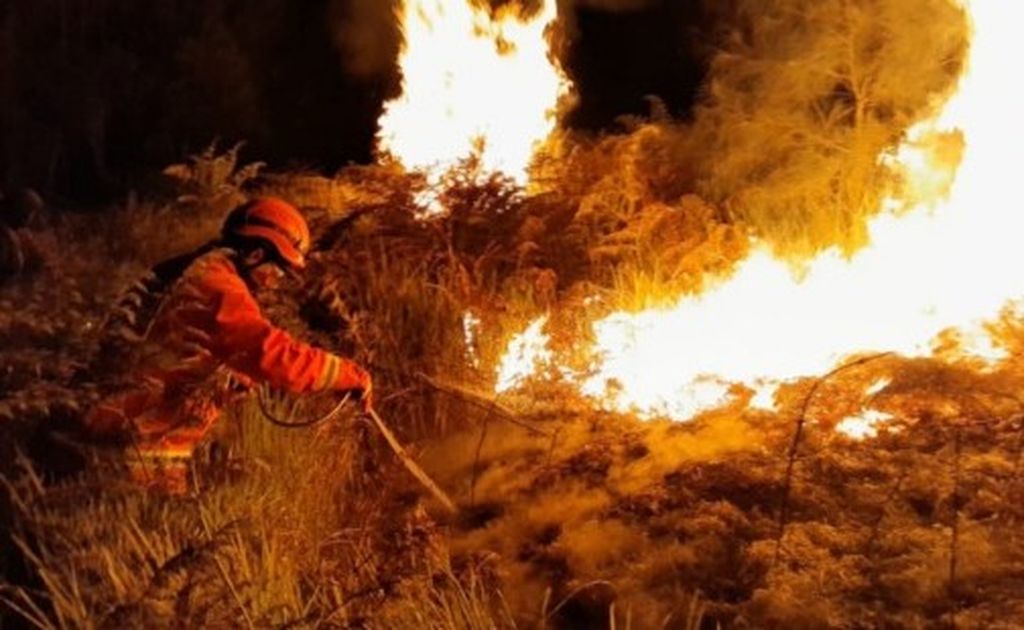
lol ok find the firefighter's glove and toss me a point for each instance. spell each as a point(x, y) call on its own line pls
point(357, 381)
point(365, 395)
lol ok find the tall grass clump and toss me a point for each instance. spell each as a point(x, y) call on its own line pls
point(289, 532)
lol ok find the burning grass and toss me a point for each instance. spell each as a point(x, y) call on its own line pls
point(884, 493)
point(569, 517)
point(914, 527)
point(299, 529)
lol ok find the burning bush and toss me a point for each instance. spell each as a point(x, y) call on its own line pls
point(802, 99)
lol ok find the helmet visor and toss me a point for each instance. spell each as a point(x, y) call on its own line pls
point(285, 249)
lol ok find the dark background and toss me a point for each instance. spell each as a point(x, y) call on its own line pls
point(96, 93)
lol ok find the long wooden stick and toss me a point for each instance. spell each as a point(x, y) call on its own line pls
point(410, 464)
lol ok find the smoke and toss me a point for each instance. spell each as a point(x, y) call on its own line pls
point(366, 34)
point(649, 38)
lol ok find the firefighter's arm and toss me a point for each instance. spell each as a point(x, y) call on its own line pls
point(248, 343)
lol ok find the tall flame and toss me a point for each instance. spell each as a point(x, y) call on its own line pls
point(472, 82)
point(948, 263)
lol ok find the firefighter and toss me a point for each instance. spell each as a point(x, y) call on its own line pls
point(197, 332)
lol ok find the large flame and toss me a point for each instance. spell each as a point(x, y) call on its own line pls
point(473, 82)
point(949, 263)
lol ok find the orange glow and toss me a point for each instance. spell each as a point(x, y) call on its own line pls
point(952, 260)
point(472, 82)
point(470, 331)
point(864, 424)
point(527, 353)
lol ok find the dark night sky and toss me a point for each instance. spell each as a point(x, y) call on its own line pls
point(130, 88)
point(616, 59)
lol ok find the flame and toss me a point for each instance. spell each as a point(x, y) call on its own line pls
point(527, 353)
point(474, 82)
point(864, 425)
point(950, 262)
point(764, 396)
point(877, 386)
point(470, 332)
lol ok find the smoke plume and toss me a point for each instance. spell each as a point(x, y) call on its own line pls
point(366, 34)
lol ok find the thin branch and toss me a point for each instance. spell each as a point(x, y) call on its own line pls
point(476, 457)
point(574, 593)
point(553, 446)
point(32, 613)
point(954, 539)
point(1019, 449)
point(795, 445)
point(478, 400)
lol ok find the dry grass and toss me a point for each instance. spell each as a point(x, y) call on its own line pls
point(611, 523)
point(598, 520)
point(316, 527)
point(299, 533)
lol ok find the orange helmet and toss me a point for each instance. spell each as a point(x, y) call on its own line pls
point(274, 221)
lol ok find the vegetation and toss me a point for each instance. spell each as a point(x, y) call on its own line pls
point(384, 287)
point(803, 99)
point(800, 100)
point(569, 518)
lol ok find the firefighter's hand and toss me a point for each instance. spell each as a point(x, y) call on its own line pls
point(358, 382)
point(364, 394)
point(366, 397)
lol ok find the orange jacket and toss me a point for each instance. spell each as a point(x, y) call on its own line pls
point(210, 321)
point(233, 331)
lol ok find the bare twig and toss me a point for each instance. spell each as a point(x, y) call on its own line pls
point(553, 445)
point(478, 400)
point(954, 539)
point(795, 444)
point(576, 591)
point(28, 609)
point(476, 457)
point(1019, 449)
